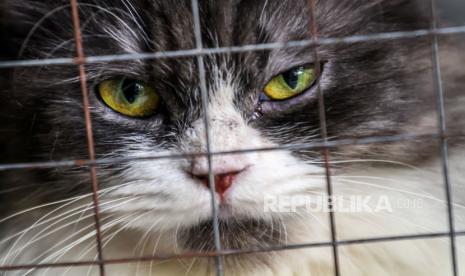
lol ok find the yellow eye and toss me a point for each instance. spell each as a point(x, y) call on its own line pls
point(129, 97)
point(290, 83)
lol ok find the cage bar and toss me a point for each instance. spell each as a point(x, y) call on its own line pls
point(204, 95)
point(438, 87)
point(200, 52)
point(313, 32)
point(238, 49)
point(89, 131)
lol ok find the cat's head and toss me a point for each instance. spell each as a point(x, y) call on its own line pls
point(256, 99)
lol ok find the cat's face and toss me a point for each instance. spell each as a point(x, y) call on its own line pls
point(368, 88)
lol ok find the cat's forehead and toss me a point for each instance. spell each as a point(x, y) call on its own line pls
point(236, 22)
point(169, 26)
point(230, 22)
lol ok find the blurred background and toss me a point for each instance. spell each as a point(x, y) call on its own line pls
point(452, 12)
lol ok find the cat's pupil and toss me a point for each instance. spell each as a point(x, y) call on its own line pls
point(131, 90)
point(292, 77)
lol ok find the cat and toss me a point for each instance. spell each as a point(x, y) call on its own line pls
point(260, 99)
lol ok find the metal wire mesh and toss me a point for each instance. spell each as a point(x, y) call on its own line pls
point(199, 52)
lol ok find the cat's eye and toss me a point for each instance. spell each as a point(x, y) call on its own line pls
point(129, 97)
point(290, 83)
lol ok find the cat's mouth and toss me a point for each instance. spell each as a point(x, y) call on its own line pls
point(235, 234)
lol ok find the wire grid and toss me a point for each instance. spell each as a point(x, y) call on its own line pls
point(199, 52)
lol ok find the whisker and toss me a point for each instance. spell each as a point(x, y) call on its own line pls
point(113, 235)
point(92, 246)
point(75, 243)
point(154, 250)
point(369, 161)
point(39, 220)
point(38, 236)
point(38, 25)
point(91, 225)
point(45, 205)
point(146, 238)
point(400, 191)
point(73, 199)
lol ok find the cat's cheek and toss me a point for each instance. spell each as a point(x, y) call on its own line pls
point(156, 189)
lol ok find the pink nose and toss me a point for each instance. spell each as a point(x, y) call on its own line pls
point(222, 181)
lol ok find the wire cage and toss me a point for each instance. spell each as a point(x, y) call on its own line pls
point(80, 60)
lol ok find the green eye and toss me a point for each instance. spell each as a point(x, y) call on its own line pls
point(290, 83)
point(129, 97)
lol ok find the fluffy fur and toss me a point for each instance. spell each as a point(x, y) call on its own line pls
point(375, 88)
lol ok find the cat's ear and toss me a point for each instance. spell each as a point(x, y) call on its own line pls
point(406, 14)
